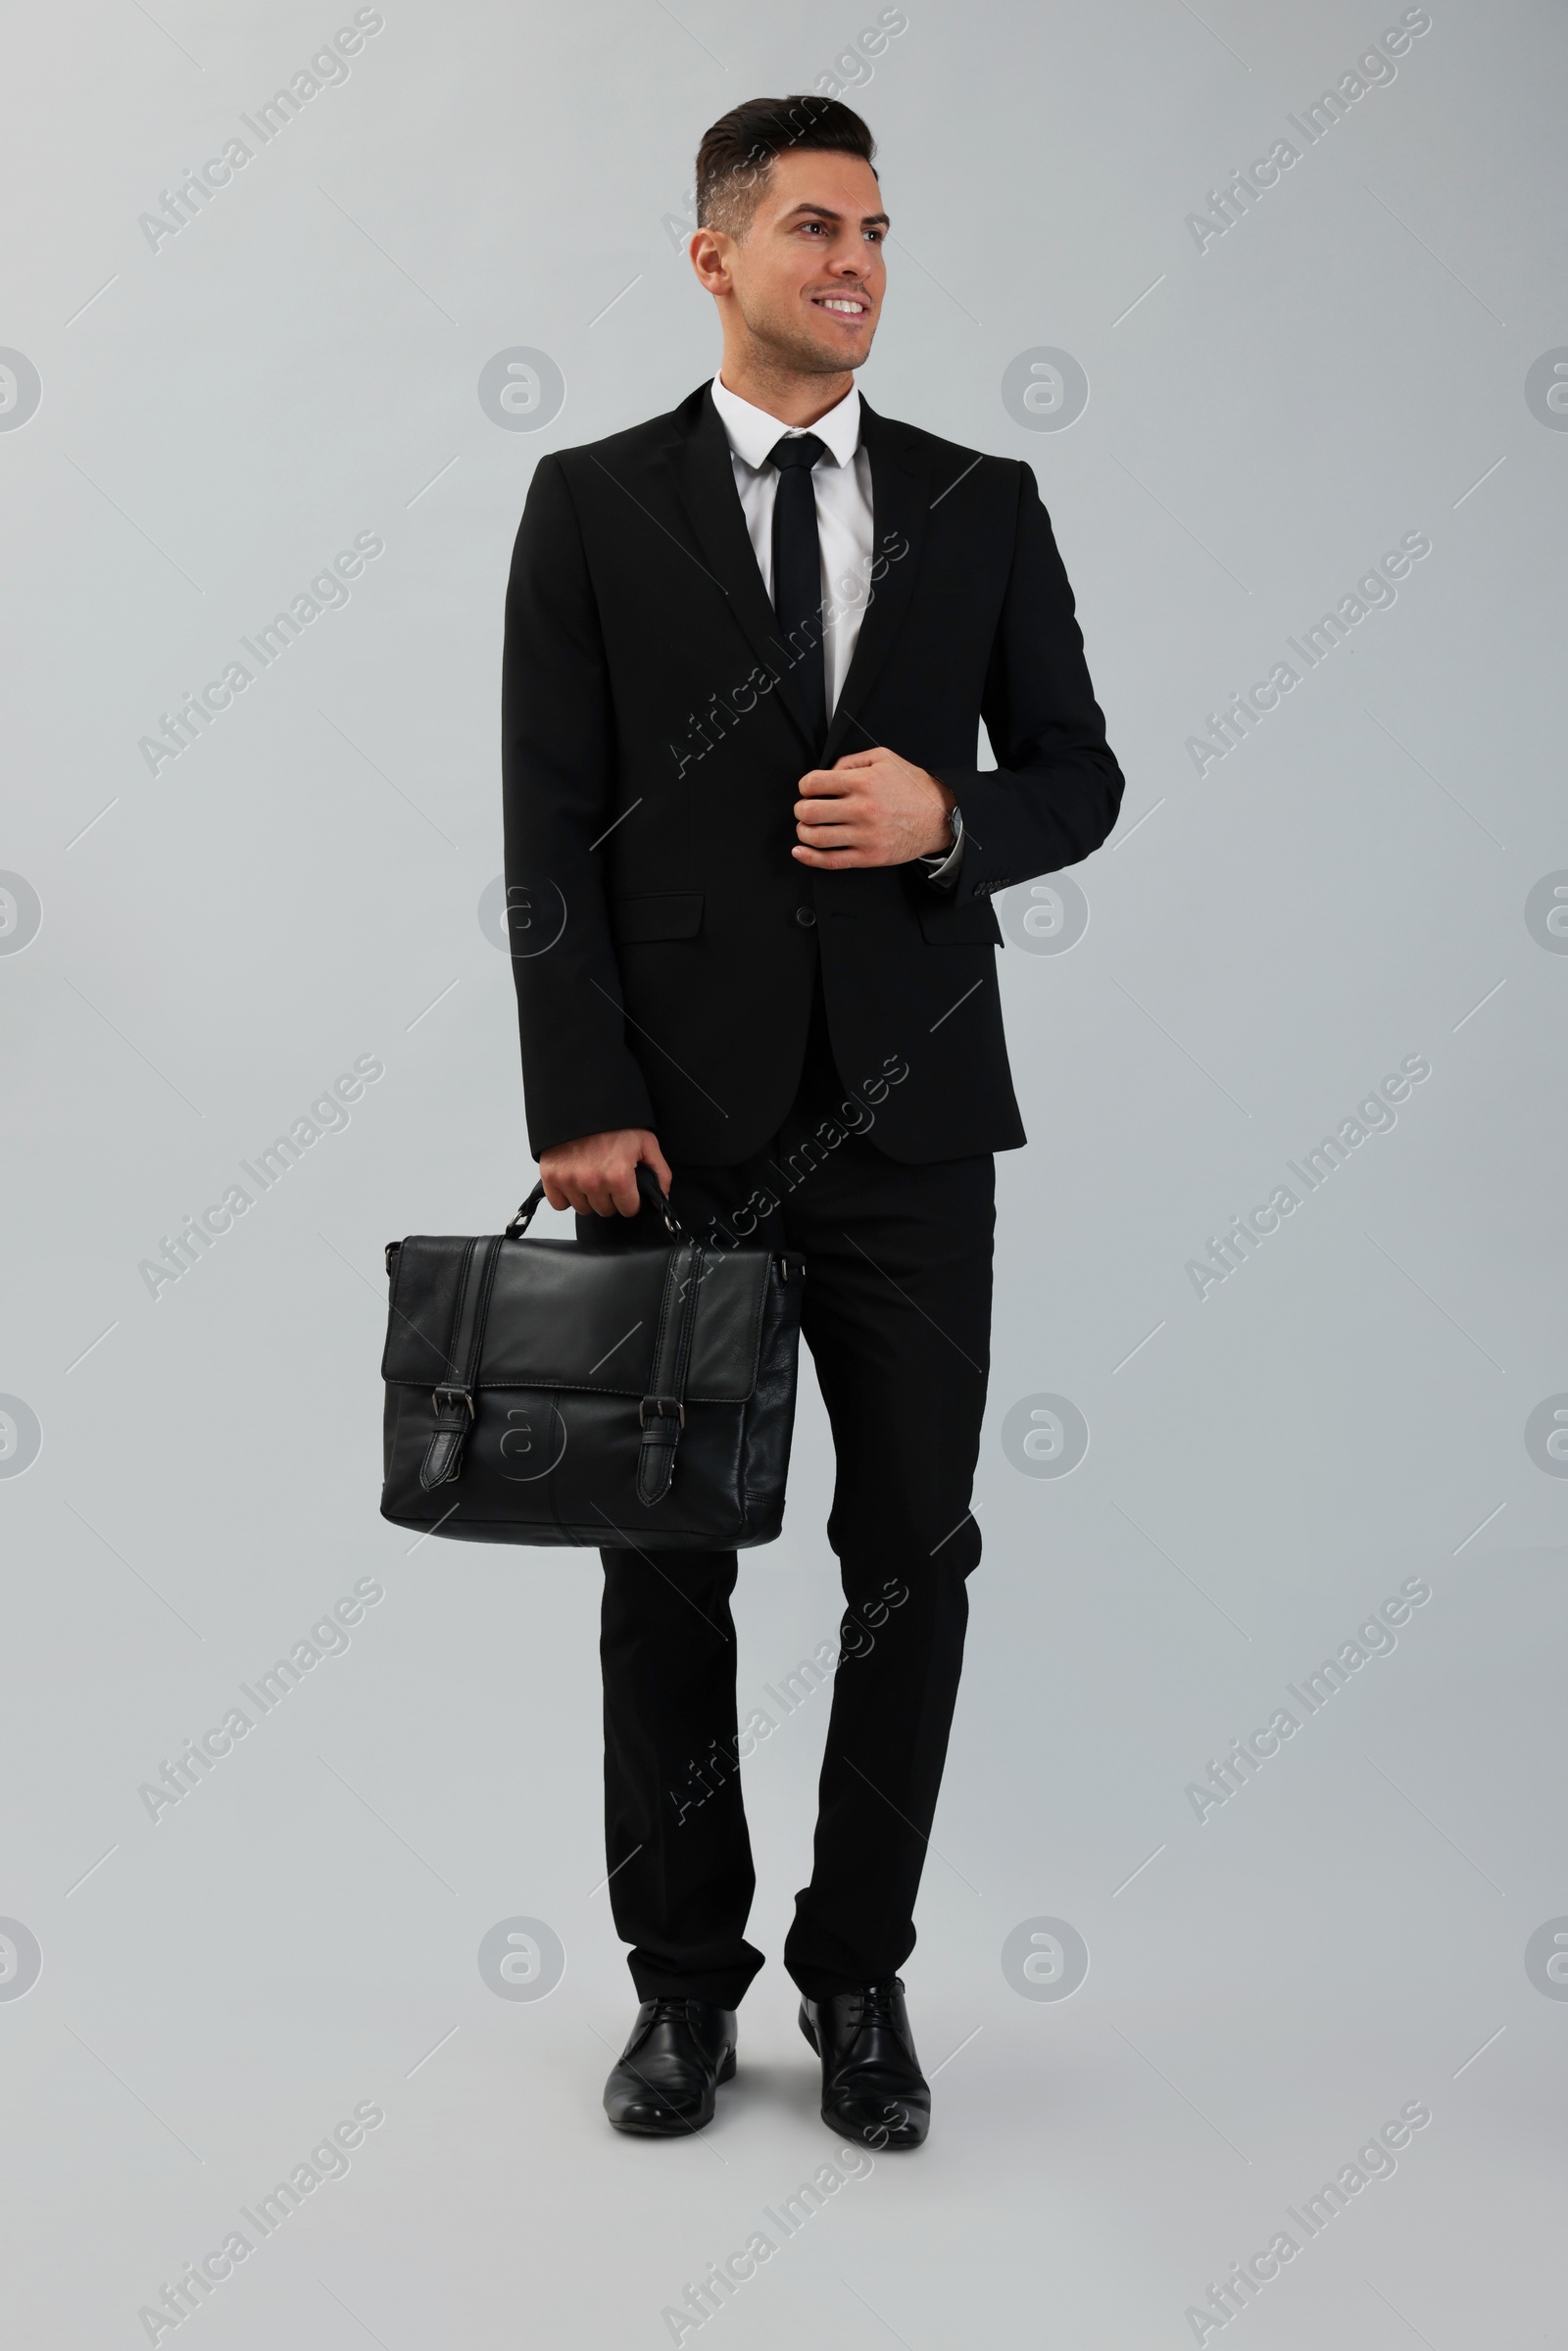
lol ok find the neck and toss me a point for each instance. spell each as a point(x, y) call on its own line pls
point(787, 393)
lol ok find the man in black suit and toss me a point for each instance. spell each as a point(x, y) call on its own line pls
point(750, 858)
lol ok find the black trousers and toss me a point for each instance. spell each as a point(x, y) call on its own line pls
point(897, 1313)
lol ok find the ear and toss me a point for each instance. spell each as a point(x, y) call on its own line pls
point(709, 253)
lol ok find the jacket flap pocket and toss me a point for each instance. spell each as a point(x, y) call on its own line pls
point(655, 914)
point(959, 922)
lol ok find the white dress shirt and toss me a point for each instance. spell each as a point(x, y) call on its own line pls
point(841, 480)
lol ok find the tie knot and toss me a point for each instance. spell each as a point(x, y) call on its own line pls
point(797, 449)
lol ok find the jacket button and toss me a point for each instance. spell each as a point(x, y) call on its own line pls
point(806, 917)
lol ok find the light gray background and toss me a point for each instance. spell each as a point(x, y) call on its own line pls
point(1265, 417)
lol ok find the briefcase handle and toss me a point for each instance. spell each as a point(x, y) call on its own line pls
point(646, 1185)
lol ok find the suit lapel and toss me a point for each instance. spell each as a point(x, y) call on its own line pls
point(705, 483)
point(704, 478)
point(901, 501)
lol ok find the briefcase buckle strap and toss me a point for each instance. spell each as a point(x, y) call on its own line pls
point(454, 1411)
point(662, 1413)
point(453, 1400)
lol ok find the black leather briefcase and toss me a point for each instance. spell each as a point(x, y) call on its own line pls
point(639, 1396)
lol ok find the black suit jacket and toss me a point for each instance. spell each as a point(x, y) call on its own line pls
point(664, 939)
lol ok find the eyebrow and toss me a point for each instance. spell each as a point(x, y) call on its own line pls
point(823, 212)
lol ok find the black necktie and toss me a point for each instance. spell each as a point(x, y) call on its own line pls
point(798, 571)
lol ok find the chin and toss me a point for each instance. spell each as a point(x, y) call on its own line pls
point(831, 358)
point(795, 358)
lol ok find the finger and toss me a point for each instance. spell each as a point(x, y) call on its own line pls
point(623, 1192)
point(555, 1192)
point(830, 861)
point(821, 779)
point(654, 1158)
point(859, 759)
point(831, 812)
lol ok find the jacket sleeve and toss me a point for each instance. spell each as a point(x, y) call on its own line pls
point(1055, 792)
point(558, 769)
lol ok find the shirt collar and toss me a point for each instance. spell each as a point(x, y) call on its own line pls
point(752, 432)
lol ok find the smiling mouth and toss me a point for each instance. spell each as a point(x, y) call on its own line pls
point(843, 306)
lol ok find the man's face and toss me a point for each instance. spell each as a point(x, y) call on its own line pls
point(809, 276)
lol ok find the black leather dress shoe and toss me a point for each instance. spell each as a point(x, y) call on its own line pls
point(664, 2082)
point(874, 2090)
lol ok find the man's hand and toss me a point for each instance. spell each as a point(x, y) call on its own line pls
point(870, 809)
point(597, 1174)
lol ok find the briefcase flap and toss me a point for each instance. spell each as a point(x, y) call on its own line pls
point(566, 1317)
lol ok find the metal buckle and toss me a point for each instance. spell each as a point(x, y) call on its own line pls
point(442, 1397)
point(661, 1409)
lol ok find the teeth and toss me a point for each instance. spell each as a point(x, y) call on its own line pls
point(853, 308)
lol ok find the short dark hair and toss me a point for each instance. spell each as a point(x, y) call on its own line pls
point(737, 154)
